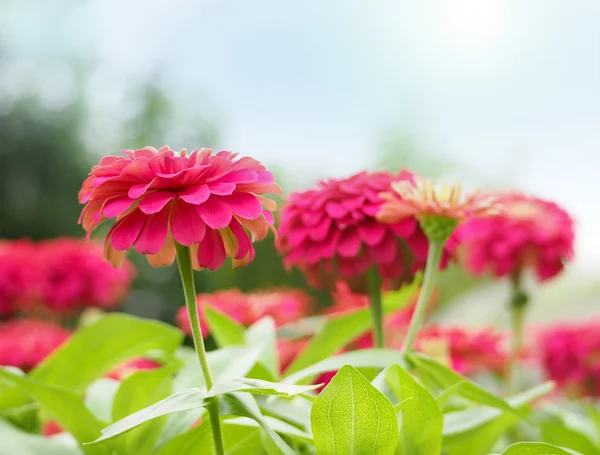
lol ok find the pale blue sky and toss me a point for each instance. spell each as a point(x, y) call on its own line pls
point(311, 85)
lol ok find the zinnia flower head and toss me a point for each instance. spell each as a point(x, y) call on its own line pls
point(438, 208)
point(570, 356)
point(204, 201)
point(129, 367)
point(530, 232)
point(74, 276)
point(331, 234)
point(469, 351)
point(283, 305)
point(18, 276)
point(26, 342)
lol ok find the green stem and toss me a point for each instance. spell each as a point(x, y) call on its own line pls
point(518, 305)
point(374, 289)
point(184, 262)
point(432, 269)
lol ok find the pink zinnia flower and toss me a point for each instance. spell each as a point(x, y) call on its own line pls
point(52, 427)
point(26, 342)
point(18, 276)
point(74, 276)
point(570, 356)
point(530, 232)
point(283, 305)
point(129, 367)
point(331, 234)
point(201, 200)
point(470, 351)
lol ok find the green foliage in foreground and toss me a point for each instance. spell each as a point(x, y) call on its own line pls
point(414, 406)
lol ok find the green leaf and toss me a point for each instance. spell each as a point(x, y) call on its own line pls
point(17, 442)
point(195, 398)
point(443, 397)
point(97, 348)
point(340, 330)
point(224, 329)
point(263, 334)
point(99, 397)
point(139, 390)
point(377, 358)
point(447, 378)
point(277, 425)
point(422, 420)
point(350, 416)
point(534, 448)
point(245, 406)
point(555, 432)
point(65, 406)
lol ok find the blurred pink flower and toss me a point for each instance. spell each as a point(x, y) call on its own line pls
point(201, 200)
point(26, 342)
point(331, 234)
point(129, 367)
point(470, 351)
point(570, 356)
point(283, 305)
point(74, 276)
point(18, 276)
point(52, 427)
point(530, 232)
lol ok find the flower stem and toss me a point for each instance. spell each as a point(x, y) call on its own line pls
point(374, 288)
point(518, 305)
point(432, 269)
point(186, 272)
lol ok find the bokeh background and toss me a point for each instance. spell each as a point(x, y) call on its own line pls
point(497, 94)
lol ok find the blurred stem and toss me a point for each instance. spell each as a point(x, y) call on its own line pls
point(432, 270)
point(184, 262)
point(374, 289)
point(518, 305)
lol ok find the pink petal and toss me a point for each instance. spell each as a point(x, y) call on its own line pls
point(335, 210)
point(186, 226)
point(221, 188)
point(268, 217)
point(243, 241)
point(265, 177)
point(405, 227)
point(127, 230)
point(319, 232)
point(211, 251)
point(138, 190)
point(240, 176)
point(195, 194)
point(214, 213)
point(154, 202)
point(386, 251)
point(154, 233)
point(115, 206)
point(245, 205)
point(372, 232)
point(349, 244)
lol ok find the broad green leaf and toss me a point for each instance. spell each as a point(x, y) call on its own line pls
point(443, 397)
point(65, 406)
point(447, 378)
point(534, 448)
point(139, 390)
point(378, 358)
point(422, 420)
point(555, 432)
point(243, 405)
point(279, 426)
point(340, 330)
point(17, 442)
point(194, 398)
point(97, 348)
point(295, 410)
point(263, 334)
point(237, 440)
point(223, 329)
point(351, 417)
point(99, 397)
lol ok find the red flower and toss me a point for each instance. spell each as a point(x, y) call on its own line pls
point(203, 201)
point(52, 427)
point(530, 232)
point(129, 367)
point(469, 351)
point(26, 342)
point(283, 305)
point(18, 276)
point(74, 276)
point(570, 356)
point(331, 234)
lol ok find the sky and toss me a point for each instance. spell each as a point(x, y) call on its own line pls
point(311, 86)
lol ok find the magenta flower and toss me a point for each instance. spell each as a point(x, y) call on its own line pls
point(19, 276)
point(331, 234)
point(528, 233)
point(204, 201)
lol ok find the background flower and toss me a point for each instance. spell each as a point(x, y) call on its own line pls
point(19, 276)
point(201, 200)
point(530, 232)
point(331, 234)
